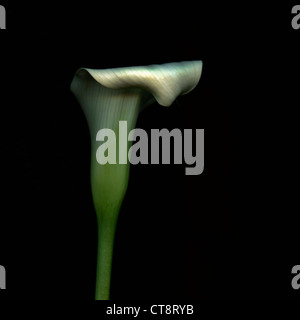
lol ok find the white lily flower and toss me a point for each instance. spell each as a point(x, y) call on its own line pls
point(107, 97)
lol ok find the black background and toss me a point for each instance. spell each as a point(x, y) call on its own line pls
point(231, 232)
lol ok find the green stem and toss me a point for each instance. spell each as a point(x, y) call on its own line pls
point(106, 234)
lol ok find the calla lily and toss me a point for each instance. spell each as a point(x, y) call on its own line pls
point(107, 97)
